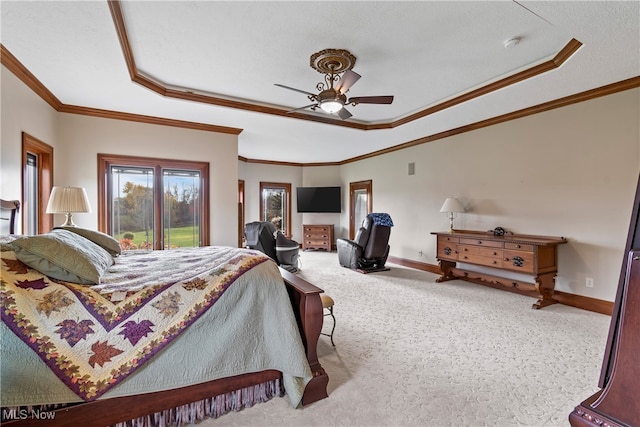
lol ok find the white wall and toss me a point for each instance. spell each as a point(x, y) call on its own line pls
point(78, 139)
point(21, 110)
point(254, 173)
point(327, 176)
point(297, 176)
point(568, 172)
point(84, 137)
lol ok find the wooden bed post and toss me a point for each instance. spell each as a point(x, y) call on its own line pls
point(305, 298)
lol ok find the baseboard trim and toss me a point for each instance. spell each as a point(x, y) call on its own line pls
point(585, 303)
point(415, 264)
point(573, 300)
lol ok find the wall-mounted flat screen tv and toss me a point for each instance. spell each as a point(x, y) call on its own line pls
point(318, 199)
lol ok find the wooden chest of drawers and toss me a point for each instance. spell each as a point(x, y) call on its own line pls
point(317, 236)
point(536, 256)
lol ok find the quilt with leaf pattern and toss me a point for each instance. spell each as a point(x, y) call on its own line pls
point(94, 337)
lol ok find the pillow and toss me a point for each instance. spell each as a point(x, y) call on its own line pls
point(64, 255)
point(107, 242)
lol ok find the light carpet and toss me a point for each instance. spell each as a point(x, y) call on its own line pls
point(412, 352)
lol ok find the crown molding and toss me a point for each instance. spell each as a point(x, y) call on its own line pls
point(610, 89)
point(152, 120)
point(191, 94)
point(21, 72)
point(621, 86)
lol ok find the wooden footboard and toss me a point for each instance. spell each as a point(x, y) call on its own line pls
point(305, 300)
point(307, 306)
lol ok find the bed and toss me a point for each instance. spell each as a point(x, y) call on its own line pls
point(230, 330)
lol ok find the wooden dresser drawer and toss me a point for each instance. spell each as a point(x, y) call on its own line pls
point(316, 230)
point(519, 261)
point(480, 260)
point(319, 242)
point(480, 250)
point(316, 236)
point(518, 247)
point(447, 239)
point(482, 242)
point(447, 250)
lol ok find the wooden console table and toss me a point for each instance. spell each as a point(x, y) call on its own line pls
point(536, 256)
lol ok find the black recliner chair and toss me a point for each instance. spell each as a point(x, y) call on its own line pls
point(266, 238)
point(261, 236)
point(368, 252)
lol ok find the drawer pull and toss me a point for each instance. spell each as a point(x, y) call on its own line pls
point(518, 261)
point(479, 242)
point(518, 246)
point(447, 250)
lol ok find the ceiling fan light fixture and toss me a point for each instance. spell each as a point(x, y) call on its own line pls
point(331, 106)
point(336, 65)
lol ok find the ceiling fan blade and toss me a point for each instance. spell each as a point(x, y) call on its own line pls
point(297, 90)
point(347, 80)
point(344, 114)
point(371, 100)
point(302, 108)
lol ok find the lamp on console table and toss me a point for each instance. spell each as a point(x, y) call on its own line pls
point(68, 200)
point(451, 206)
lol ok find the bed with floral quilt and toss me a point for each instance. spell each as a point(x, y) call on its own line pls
point(114, 335)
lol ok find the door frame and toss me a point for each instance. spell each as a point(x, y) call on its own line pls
point(44, 153)
point(353, 187)
point(240, 212)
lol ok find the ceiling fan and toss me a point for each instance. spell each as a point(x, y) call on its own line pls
point(336, 65)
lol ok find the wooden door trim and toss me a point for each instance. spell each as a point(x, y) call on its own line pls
point(353, 186)
point(240, 211)
point(44, 152)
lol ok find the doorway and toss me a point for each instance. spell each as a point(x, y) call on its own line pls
point(360, 204)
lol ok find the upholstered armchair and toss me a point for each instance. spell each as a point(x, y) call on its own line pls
point(369, 250)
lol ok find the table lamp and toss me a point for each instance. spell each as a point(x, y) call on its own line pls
point(68, 200)
point(451, 206)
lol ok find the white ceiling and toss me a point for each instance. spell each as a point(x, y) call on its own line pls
point(422, 52)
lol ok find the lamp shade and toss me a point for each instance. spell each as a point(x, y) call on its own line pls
point(452, 205)
point(68, 200)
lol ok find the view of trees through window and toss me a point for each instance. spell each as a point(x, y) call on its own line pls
point(275, 205)
point(134, 216)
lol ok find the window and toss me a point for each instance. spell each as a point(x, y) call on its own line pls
point(275, 205)
point(153, 203)
point(37, 182)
